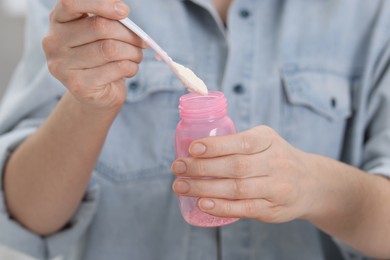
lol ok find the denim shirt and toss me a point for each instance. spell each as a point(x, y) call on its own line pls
point(315, 71)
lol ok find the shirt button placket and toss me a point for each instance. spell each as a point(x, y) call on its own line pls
point(236, 239)
point(240, 89)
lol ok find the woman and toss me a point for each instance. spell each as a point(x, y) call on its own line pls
point(88, 174)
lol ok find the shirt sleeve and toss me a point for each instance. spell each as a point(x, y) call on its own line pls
point(376, 156)
point(375, 126)
point(31, 96)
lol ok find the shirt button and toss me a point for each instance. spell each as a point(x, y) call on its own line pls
point(238, 89)
point(244, 13)
point(133, 86)
point(333, 102)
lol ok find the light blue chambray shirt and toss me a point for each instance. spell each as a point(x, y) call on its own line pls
point(316, 71)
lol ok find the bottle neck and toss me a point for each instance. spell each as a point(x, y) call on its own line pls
point(195, 107)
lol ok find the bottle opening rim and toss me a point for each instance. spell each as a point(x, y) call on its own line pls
point(195, 106)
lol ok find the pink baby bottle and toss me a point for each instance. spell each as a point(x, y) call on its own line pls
point(201, 116)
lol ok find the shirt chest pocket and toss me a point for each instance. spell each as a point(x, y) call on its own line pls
point(140, 143)
point(316, 108)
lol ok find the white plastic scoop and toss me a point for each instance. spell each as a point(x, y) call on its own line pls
point(187, 76)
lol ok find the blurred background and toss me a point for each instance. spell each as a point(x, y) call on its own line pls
point(11, 28)
point(12, 13)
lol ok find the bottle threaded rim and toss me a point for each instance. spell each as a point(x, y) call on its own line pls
point(195, 106)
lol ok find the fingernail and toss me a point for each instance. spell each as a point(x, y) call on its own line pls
point(181, 186)
point(197, 149)
point(121, 8)
point(207, 204)
point(179, 167)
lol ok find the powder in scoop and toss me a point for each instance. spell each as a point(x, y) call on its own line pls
point(190, 80)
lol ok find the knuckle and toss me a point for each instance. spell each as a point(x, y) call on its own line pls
point(123, 66)
point(200, 168)
point(267, 132)
point(54, 67)
point(239, 188)
point(227, 208)
point(127, 68)
point(258, 139)
point(50, 41)
point(248, 143)
point(240, 166)
point(133, 69)
point(66, 4)
point(250, 208)
point(108, 49)
point(139, 55)
point(75, 85)
point(47, 43)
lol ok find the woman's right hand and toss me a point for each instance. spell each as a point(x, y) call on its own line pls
point(92, 54)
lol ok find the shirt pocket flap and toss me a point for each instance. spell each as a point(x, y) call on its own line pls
point(153, 76)
point(327, 93)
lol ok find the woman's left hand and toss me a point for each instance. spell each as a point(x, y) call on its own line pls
point(256, 174)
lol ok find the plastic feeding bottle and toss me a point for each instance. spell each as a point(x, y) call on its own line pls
point(201, 116)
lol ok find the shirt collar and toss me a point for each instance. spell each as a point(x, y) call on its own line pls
point(208, 5)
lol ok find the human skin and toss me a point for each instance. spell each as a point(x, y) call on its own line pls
point(46, 177)
point(222, 7)
point(272, 181)
point(260, 176)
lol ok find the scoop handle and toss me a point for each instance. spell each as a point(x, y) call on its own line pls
point(144, 36)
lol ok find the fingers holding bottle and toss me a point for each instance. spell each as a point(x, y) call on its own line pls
point(253, 174)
